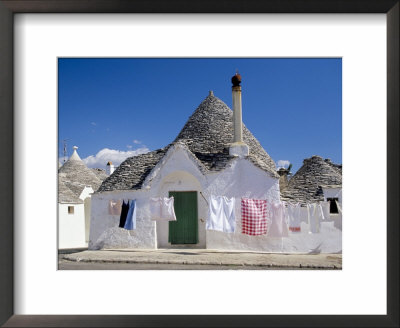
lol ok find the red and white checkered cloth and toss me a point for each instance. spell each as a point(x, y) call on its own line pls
point(254, 216)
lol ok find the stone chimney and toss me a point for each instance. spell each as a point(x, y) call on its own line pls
point(238, 147)
point(283, 178)
point(110, 168)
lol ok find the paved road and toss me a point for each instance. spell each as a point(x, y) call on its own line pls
point(194, 259)
point(69, 265)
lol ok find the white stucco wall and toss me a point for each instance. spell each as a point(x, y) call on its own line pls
point(87, 206)
point(104, 230)
point(86, 192)
point(71, 227)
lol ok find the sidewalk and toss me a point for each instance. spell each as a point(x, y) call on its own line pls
point(209, 257)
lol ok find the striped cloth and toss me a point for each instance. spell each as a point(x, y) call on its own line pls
point(254, 216)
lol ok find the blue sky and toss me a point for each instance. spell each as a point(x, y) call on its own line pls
point(115, 108)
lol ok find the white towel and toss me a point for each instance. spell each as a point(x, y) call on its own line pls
point(162, 208)
point(339, 207)
point(221, 214)
point(167, 209)
point(278, 227)
point(155, 208)
point(326, 210)
point(315, 216)
point(294, 217)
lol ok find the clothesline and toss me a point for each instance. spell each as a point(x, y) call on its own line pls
point(204, 197)
point(259, 216)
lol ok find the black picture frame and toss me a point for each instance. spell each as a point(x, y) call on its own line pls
point(10, 7)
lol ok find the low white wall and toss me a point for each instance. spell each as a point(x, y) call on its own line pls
point(104, 230)
point(71, 227)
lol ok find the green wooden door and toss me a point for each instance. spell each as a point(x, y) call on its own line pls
point(185, 229)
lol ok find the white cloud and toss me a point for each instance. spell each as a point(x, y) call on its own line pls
point(283, 163)
point(93, 123)
point(115, 156)
point(129, 146)
point(136, 141)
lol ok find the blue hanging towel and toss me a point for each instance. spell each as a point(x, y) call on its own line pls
point(130, 223)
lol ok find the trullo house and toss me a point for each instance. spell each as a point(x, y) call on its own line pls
point(213, 155)
point(76, 183)
point(316, 181)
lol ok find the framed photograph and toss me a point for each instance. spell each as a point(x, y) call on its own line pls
point(57, 50)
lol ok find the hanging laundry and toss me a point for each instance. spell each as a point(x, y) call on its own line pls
point(304, 214)
point(130, 223)
point(254, 216)
point(315, 216)
point(221, 214)
point(326, 211)
point(155, 208)
point(339, 207)
point(162, 208)
point(278, 226)
point(294, 218)
point(114, 207)
point(124, 213)
point(167, 209)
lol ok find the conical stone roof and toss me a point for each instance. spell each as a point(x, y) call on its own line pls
point(208, 134)
point(306, 185)
point(65, 194)
point(75, 175)
point(132, 172)
point(100, 173)
point(77, 171)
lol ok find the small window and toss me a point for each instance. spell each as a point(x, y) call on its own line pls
point(333, 207)
point(70, 210)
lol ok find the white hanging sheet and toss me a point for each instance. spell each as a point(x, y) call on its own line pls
point(278, 227)
point(326, 210)
point(339, 207)
point(315, 216)
point(221, 214)
point(294, 217)
point(162, 209)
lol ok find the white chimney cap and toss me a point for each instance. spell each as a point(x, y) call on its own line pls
point(75, 155)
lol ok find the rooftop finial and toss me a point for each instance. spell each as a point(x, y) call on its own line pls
point(236, 79)
point(211, 93)
point(75, 155)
